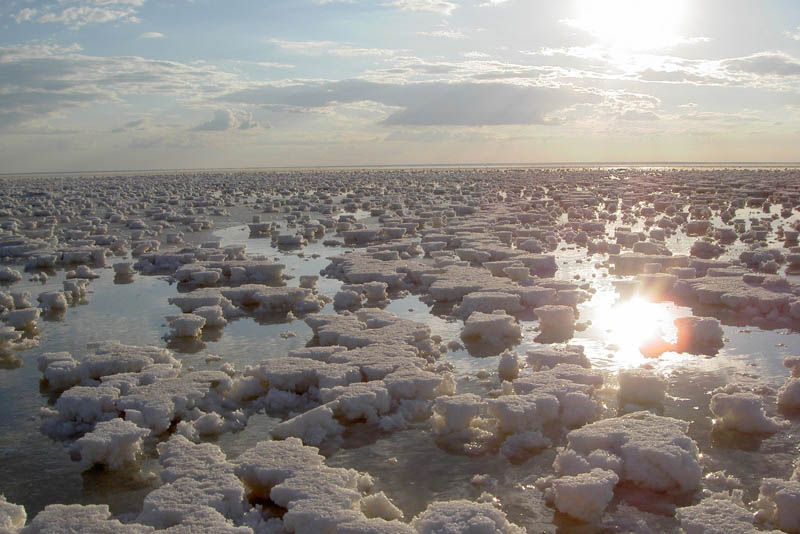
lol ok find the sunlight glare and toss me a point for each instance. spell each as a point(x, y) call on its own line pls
point(632, 323)
point(632, 24)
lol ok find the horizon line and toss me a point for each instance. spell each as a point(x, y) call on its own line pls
point(425, 165)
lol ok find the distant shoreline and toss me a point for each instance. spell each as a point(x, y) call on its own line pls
point(556, 165)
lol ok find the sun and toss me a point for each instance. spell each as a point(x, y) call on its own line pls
point(632, 25)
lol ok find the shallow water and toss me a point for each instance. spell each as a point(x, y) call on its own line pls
point(409, 466)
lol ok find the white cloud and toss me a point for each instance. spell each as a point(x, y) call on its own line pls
point(447, 34)
point(793, 34)
point(151, 35)
point(227, 119)
point(423, 104)
point(444, 7)
point(332, 48)
point(40, 81)
point(78, 13)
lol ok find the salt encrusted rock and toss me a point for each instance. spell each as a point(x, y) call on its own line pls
point(463, 516)
point(457, 419)
point(214, 316)
point(497, 328)
point(379, 506)
point(779, 503)
point(571, 385)
point(556, 322)
point(509, 365)
point(58, 518)
point(488, 302)
point(23, 319)
point(274, 299)
point(124, 268)
point(789, 394)
point(374, 526)
point(12, 516)
point(52, 300)
point(198, 481)
point(549, 357)
point(641, 386)
point(107, 358)
point(316, 498)
point(186, 325)
point(654, 452)
point(585, 496)
point(698, 335)
point(7, 274)
point(111, 443)
point(742, 412)
point(717, 514)
point(371, 326)
point(347, 300)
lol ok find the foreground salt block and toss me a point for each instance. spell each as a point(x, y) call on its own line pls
point(641, 386)
point(789, 394)
point(497, 328)
point(186, 325)
point(111, 443)
point(7, 274)
point(463, 516)
point(585, 496)
point(12, 516)
point(698, 335)
point(509, 365)
point(651, 451)
point(779, 503)
point(24, 319)
point(742, 412)
point(58, 518)
point(123, 269)
point(556, 322)
point(717, 514)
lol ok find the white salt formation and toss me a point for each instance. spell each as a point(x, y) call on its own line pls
point(497, 253)
point(742, 412)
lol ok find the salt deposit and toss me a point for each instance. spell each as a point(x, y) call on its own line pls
point(328, 309)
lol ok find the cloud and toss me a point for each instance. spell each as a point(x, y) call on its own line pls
point(332, 48)
point(765, 63)
point(78, 13)
point(434, 6)
point(636, 115)
point(151, 35)
point(226, 119)
point(136, 124)
point(446, 34)
point(793, 34)
point(43, 80)
point(424, 104)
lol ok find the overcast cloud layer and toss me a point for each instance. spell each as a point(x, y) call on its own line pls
point(140, 84)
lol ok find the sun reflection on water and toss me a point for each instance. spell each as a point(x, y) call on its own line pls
point(631, 325)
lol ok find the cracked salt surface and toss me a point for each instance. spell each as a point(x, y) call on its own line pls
point(676, 287)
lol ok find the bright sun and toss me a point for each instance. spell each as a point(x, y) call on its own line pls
point(632, 24)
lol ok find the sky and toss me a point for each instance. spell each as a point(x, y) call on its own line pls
point(164, 84)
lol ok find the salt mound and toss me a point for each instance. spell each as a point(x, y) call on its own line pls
point(497, 328)
point(585, 496)
point(463, 517)
point(742, 412)
point(654, 452)
point(12, 516)
point(111, 443)
point(641, 386)
point(779, 503)
point(717, 514)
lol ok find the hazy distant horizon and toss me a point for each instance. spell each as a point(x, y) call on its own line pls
point(553, 164)
point(129, 84)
